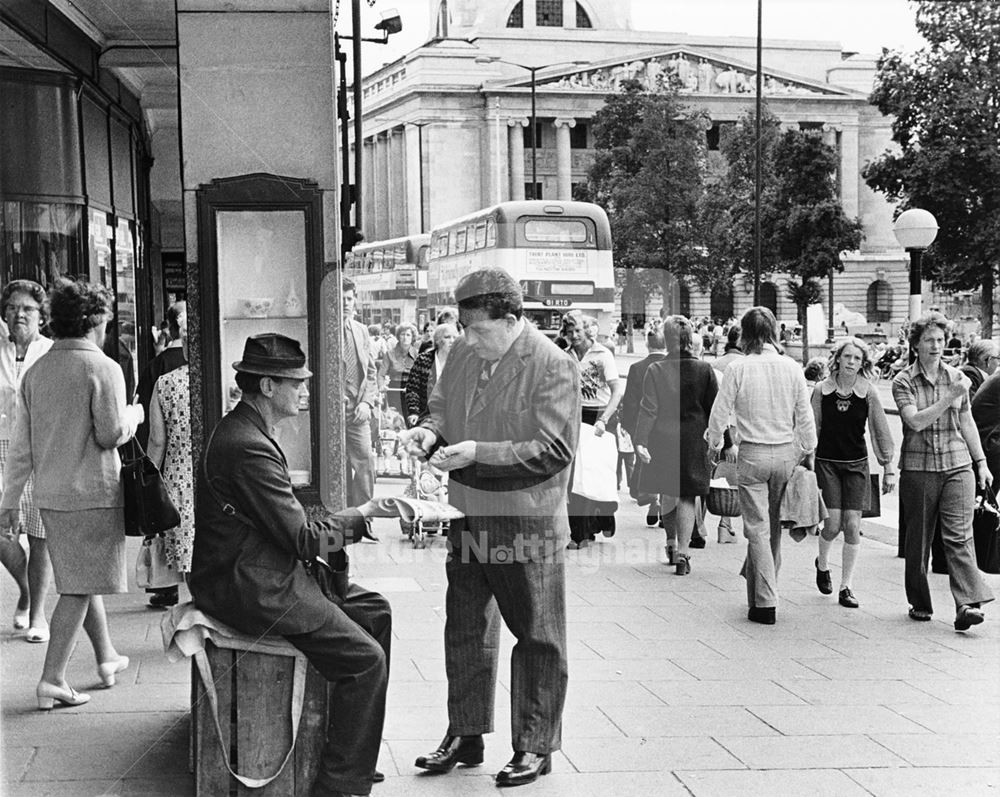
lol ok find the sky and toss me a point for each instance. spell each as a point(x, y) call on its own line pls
point(859, 25)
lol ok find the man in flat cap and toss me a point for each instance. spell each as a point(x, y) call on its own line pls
point(251, 542)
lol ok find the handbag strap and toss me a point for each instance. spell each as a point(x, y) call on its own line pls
point(298, 695)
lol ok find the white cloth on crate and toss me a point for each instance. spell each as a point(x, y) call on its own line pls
point(185, 629)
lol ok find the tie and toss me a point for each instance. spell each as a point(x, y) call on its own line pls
point(351, 370)
point(484, 378)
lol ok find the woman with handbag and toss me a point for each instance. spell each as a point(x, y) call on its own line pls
point(941, 461)
point(170, 451)
point(77, 478)
point(677, 397)
point(843, 404)
point(25, 310)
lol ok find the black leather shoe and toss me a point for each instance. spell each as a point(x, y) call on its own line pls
point(453, 750)
point(967, 617)
point(683, 565)
point(524, 768)
point(847, 598)
point(764, 615)
point(697, 541)
point(377, 777)
point(823, 581)
point(652, 516)
point(921, 615)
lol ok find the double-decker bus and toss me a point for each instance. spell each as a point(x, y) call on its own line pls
point(560, 252)
point(391, 280)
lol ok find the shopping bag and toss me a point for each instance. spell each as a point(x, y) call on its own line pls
point(594, 470)
point(874, 497)
point(148, 508)
point(986, 533)
point(152, 571)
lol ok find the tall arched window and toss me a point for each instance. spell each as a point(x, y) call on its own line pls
point(722, 302)
point(879, 302)
point(516, 18)
point(684, 293)
point(769, 297)
point(582, 18)
point(549, 13)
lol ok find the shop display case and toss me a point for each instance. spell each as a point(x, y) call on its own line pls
point(261, 265)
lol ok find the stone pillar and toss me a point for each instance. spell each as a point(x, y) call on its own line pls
point(397, 184)
point(515, 150)
point(564, 161)
point(413, 134)
point(371, 188)
point(569, 13)
point(381, 226)
point(850, 169)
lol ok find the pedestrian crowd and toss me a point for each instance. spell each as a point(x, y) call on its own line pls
point(534, 440)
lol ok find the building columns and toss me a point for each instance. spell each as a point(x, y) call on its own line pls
point(370, 188)
point(515, 149)
point(850, 169)
point(413, 136)
point(564, 161)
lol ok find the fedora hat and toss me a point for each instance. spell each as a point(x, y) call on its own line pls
point(271, 354)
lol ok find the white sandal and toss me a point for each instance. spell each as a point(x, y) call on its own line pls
point(37, 635)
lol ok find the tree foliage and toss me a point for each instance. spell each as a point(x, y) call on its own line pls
point(945, 100)
point(648, 175)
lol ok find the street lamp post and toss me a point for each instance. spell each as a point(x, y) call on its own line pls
point(915, 229)
point(533, 70)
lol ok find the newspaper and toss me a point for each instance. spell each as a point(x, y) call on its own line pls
point(413, 509)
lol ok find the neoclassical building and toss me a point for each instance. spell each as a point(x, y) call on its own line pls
point(447, 127)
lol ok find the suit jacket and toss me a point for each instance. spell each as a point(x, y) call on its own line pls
point(526, 424)
point(247, 568)
point(975, 376)
point(633, 391)
point(367, 389)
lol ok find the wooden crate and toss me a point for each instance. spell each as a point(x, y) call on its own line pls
point(254, 693)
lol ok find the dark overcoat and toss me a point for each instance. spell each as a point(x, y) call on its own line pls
point(677, 397)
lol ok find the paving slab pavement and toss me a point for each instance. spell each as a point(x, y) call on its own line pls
point(672, 691)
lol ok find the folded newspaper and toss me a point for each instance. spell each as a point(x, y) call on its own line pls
point(413, 509)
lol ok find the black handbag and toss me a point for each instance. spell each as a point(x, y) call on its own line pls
point(874, 497)
point(986, 533)
point(148, 508)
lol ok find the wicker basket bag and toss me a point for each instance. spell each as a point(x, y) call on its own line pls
point(723, 501)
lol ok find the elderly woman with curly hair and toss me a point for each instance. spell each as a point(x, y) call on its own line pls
point(940, 462)
point(396, 365)
point(77, 478)
point(25, 311)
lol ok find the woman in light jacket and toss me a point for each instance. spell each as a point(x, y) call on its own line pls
point(77, 478)
point(25, 310)
point(843, 404)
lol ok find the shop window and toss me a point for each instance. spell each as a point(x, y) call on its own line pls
point(549, 13)
point(879, 302)
point(40, 241)
point(578, 136)
point(516, 18)
point(582, 18)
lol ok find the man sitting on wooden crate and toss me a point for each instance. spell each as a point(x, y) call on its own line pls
point(251, 540)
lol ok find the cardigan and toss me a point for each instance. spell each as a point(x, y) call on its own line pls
point(10, 381)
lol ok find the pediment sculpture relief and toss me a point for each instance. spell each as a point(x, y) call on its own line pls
point(693, 75)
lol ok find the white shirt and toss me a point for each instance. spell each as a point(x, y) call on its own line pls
point(768, 398)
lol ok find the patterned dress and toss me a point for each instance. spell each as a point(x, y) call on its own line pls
point(173, 394)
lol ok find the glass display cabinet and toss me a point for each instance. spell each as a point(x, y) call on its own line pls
point(261, 265)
